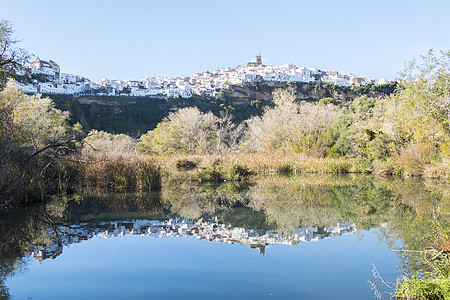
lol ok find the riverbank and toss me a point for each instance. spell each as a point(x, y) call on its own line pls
point(260, 164)
point(142, 173)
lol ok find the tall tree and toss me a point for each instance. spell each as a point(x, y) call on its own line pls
point(419, 112)
point(12, 58)
point(33, 135)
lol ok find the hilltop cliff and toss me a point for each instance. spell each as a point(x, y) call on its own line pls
point(135, 115)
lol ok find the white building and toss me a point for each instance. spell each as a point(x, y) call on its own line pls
point(47, 67)
point(206, 83)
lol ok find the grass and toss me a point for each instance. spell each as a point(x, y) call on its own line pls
point(139, 174)
point(242, 166)
point(134, 173)
point(239, 166)
point(424, 288)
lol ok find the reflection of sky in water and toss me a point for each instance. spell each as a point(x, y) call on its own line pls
point(139, 267)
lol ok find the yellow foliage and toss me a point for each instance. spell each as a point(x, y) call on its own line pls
point(325, 101)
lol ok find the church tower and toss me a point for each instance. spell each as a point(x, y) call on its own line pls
point(258, 59)
point(256, 63)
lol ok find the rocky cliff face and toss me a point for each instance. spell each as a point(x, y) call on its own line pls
point(304, 91)
point(136, 115)
point(131, 115)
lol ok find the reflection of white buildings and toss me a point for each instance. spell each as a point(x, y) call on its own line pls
point(51, 81)
point(210, 230)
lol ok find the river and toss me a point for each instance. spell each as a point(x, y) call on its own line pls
point(305, 237)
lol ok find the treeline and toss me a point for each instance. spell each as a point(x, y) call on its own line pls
point(384, 89)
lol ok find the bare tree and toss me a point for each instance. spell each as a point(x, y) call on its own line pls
point(190, 131)
point(12, 58)
point(229, 134)
point(289, 126)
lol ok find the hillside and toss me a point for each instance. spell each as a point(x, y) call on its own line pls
point(136, 115)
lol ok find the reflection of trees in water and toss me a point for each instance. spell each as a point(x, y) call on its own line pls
point(10, 266)
point(143, 202)
point(24, 228)
point(290, 202)
point(421, 213)
point(287, 202)
point(405, 211)
point(113, 206)
point(21, 229)
point(190, 199)
point(290, 205)
point(408, 209)
point(364, 202)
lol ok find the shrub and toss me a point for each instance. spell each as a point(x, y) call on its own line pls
point(103, 145)
point(424, 288)
point(185, 164)
point(286, 168)
point(67, 177)
point(189, 131)
point(290, 127)
point(412, 159)
point(148, 175)
point(231, 171)
point(209, 174)
point(234, 171)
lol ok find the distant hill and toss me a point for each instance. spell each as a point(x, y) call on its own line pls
point(137, 115)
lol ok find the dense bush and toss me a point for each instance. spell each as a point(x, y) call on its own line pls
point(290, 127)
point(231, 171)
point(189, 131)
point(34, 135)
point(102, 145)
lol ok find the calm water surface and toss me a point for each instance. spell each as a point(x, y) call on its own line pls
point(286, 238)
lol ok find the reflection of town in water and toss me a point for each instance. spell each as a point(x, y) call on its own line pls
point(273, 211)
point(210, 230)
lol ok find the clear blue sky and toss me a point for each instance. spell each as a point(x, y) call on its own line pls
point(137, 39)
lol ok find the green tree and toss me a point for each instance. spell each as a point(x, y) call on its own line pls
point(33, 135)
point(352, 134)
point(419, 112)
point(408, 131)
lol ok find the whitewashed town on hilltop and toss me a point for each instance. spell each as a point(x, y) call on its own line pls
point(210, 230)
point(45, 77)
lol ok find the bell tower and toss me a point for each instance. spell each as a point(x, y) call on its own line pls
point(258, 59)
